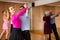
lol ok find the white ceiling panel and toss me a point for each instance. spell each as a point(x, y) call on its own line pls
point(18, 1)
point(54, 4)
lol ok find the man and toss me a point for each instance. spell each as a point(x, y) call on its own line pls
point(53, 24)
point(25, 25)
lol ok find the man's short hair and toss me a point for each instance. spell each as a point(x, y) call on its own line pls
point(21, 6)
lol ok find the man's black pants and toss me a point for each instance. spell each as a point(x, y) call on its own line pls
point(53, 26)
point(26, 35)
point(11, 28)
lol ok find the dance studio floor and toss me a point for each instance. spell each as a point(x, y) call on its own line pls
point(37, 36)
point(40, 36)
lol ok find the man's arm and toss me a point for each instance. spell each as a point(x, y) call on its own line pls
point(55, 15)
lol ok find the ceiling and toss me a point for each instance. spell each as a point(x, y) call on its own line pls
point(54, 4)
point(18, 1)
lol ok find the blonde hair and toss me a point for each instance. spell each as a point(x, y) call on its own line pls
point(8, 14)
point(4, 11)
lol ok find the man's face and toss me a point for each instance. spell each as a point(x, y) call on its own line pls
point(51, 11)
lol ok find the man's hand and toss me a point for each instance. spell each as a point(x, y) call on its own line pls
point(59, 13)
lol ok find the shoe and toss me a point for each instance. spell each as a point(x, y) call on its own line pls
point(48, 39)
point(6, 39)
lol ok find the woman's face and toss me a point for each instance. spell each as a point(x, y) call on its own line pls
point(47, 13)
point(4, 13)
point(12, 10)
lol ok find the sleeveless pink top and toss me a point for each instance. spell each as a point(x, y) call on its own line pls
point(5, 23)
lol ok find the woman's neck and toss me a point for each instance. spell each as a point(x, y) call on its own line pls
point(12, 13)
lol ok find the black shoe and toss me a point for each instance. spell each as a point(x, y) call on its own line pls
point(6, 39)
point(48, 39)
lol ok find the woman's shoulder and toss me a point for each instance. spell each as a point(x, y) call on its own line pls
point(13, 15)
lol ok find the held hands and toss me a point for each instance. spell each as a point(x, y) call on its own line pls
point(59, 13)
point(25, 5)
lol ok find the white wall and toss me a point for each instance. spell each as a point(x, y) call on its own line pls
point(29, 4)
point(30, 11)
point(42, 2)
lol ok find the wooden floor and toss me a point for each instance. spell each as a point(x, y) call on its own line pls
point(40, 36)
point(37, 35)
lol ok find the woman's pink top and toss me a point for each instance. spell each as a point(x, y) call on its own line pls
point(16, 21)
point(5, 23)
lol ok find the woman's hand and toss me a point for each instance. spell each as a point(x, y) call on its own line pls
point(25, 5)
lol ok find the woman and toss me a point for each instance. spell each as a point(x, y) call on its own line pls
point(47, 25)
point(16, 21)
point(5, 25)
